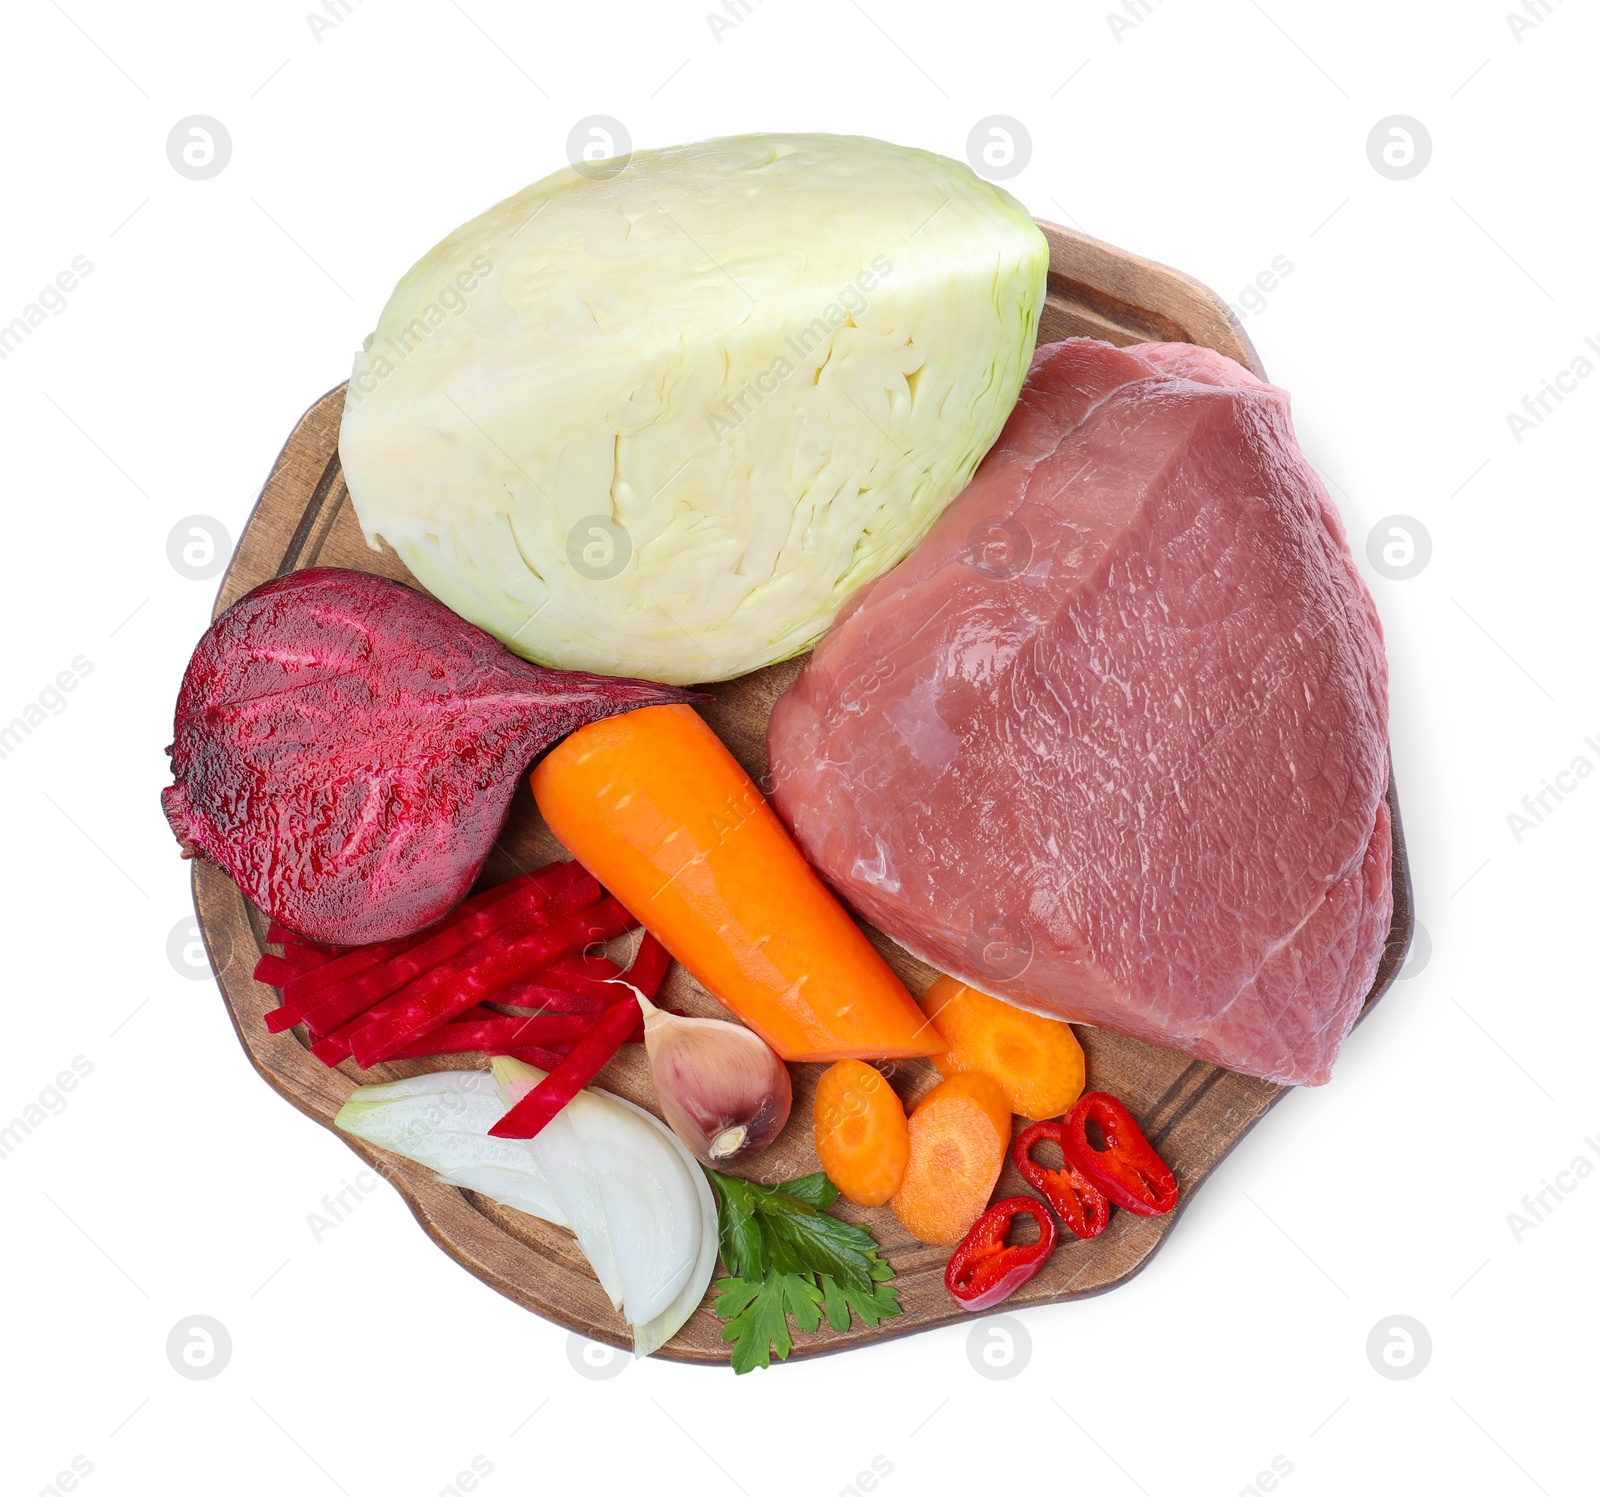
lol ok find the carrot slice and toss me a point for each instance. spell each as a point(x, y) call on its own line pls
point(861, 1132)
point(662, 814)
point(1037, 1061)
point(959, 1134)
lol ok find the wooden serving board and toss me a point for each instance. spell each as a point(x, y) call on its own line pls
point(1194, 1112)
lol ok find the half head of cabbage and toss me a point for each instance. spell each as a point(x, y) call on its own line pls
point(663, 420)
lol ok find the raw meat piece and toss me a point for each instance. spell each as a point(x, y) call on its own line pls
point(346, 749)
point(1111, 743)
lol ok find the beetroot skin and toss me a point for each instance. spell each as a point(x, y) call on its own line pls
point(347, 749)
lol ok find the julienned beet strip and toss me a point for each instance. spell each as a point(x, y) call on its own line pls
point(590, 977)
point(496, 1034)
point(359, 959)
point(585, 984)
point(495, 903)
point(542, 998)
point(529, 909)
point(545, 1044)
point(537, 1055)
point(280, 934)
point(512, 1033)
point(304, 958)
point(559, 989)
point(305, 993)
point(343, 1009)
point(585, 964)
point(279, 971)
point(330, 1052)
point(575, 1071)
point(649, 969)
point(308, 989)
point(438, 996)
point(546, 1057)
point(274, 971)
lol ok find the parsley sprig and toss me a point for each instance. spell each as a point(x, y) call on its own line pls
point(789, 1260)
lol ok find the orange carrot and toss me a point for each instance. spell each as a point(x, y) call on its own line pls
point(1037, 1061)
point(959, 1135)
point(660, 812)
point(861, 1132)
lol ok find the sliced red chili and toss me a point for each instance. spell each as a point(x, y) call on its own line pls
point(1075, 1199)
point(986, 1267)
point(1128, 1169)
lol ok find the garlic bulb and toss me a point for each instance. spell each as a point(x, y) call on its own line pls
point(720, 1088)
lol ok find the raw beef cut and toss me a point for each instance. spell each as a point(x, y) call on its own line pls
point(1112, 742)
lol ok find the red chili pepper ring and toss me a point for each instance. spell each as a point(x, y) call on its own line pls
point(1075, 1199)
point(985, 1268)
point(1128, 1169)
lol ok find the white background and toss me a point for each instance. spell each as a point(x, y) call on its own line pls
point(1212, 136)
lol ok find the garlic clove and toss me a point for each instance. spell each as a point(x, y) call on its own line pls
point(721, 1089)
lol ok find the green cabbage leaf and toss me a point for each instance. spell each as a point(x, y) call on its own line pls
point(662, 418)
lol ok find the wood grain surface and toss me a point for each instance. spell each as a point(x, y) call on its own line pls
point(1193, 1111)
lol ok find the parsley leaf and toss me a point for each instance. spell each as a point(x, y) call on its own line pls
point(817, 1191)
point(881, 1303)
point(824, 1244)
point(739, 1238)
point(782, 1256)
point(834, 1305)
point(789, 1260)
point(758, 1315)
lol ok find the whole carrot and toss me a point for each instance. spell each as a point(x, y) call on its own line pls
point(661, 813)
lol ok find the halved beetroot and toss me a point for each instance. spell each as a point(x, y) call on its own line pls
point(347, 748)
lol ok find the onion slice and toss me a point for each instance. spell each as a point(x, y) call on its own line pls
point(617, 1176)
point(648, 1183)
point(563, 1160)
point(441, 1120)
point(651, 1337)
